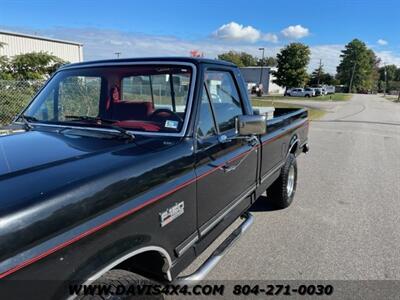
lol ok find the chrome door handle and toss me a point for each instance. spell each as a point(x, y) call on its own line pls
point(228, 169)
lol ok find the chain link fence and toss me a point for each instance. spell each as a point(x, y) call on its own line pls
point(14, 96)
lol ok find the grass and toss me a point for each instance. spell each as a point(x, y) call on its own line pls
point(313, 114)
point(334, 97)
point(392, 98)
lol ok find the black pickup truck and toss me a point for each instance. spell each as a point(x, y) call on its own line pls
point(131, 168)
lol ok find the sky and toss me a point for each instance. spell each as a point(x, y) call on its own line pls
point(175, 27)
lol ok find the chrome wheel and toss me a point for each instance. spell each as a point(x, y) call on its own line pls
point(290, 181)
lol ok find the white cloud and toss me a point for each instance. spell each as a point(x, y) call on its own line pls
point(382, 42)
point(295, 32)
point(388, 57)
point(237, 32)
point(102, 44)
point(270, 37)
point(329, 55)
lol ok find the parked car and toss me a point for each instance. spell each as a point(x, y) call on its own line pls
point(129, 169)
point(300, 92)
point(319, 91)
point(309, 91)
point(329, 89)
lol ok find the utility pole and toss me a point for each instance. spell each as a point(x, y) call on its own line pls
point(352, 77)
point(262, 64)
point(319, 71)
point(117, 54)
point(260, 85)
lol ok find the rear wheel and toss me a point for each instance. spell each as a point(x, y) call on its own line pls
point(122, 286)
point(281, 192)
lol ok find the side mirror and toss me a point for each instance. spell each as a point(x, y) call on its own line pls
point(251, 125)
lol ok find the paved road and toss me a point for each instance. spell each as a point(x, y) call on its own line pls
point(345, 220)
point(329, 106)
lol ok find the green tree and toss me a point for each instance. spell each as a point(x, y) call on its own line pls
point(34, 65)
point(397, 77)
point(244, 59)
point(374, 76)
point(4, 64)
point(387, 82)
point(233, 57)
point(358, 68)
point(248, 59)
point(267, 61)
point(292, 62)
point(390, 72)
point(318, 76)
point(241, 59)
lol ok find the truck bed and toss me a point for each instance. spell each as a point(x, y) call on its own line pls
point(279, 117)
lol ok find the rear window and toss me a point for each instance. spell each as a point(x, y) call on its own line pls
point(163, 90)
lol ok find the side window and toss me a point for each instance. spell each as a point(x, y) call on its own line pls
point(206, 126)
point(225, 98)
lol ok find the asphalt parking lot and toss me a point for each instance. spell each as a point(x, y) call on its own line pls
point(344, 222)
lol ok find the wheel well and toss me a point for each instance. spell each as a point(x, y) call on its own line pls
point(293, 146)
point(151, 264)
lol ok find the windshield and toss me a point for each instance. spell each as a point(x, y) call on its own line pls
point(138, 98)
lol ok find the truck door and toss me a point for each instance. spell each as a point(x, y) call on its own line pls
point(226, 168)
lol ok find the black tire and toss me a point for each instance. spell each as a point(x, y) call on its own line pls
point(279, 193)
point(307, 96)
point(117, 278)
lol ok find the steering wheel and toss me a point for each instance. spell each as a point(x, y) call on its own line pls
point(164, 114)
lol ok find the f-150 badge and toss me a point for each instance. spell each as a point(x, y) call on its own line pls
point(171, 213)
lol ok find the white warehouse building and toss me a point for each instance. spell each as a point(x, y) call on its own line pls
point(252, 76)
point(20, 43)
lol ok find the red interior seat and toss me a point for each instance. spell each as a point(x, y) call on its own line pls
point(129, 110)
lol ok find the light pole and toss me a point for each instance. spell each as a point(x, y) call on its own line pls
point(262, 64)
point(117, 54)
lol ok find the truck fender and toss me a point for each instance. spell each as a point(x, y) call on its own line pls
point(160, 251)
point(293, 145)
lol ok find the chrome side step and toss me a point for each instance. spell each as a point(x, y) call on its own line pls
point(218, 253)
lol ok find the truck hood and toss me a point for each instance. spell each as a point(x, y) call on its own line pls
point(22, 151)
point(51, 182)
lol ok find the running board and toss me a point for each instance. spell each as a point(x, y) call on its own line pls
point(218, 253)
